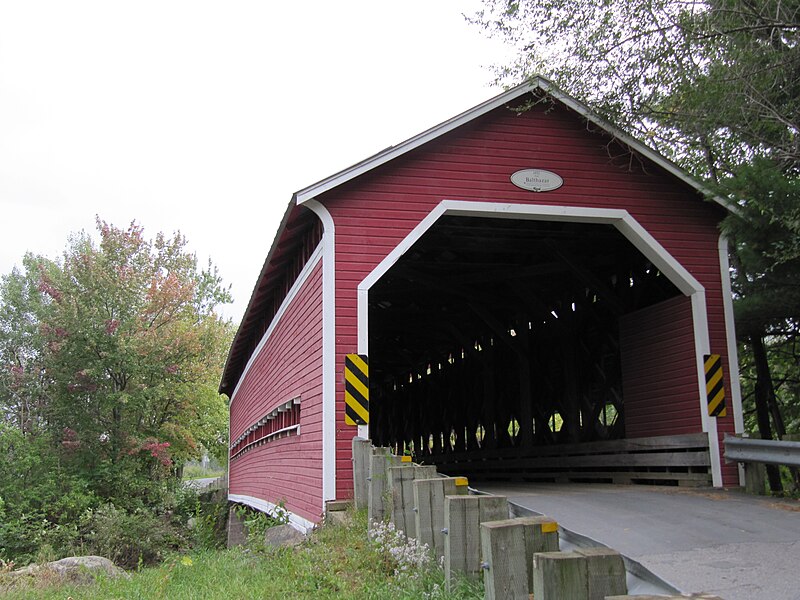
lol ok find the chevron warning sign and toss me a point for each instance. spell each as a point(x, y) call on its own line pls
point(356, 389)
point(715, 386)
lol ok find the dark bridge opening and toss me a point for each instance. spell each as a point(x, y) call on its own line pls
point(496, 337)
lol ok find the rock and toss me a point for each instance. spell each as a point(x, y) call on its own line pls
point(338, 517)
point(283, 536)
point(76, 569)
point(80, 564)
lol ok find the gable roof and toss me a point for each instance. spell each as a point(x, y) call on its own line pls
point(537, 83)
point(263, 291)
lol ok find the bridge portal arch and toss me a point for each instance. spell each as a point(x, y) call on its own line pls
point(492, 278)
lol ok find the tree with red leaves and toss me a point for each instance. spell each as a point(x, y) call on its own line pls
point(127, 346)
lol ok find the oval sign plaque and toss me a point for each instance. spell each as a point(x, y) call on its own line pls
point(537, 180)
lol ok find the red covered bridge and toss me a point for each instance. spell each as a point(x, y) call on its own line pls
point(536, 293)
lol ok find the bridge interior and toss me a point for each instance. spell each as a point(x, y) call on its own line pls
point(499, 336)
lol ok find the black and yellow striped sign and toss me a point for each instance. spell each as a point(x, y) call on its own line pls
point(356, 389)
point(715, 386)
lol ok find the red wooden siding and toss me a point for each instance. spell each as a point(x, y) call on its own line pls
point(289, 468)
point(659, 371)
point(377, 210)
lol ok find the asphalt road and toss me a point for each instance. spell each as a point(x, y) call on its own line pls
point(727, 543)
point(200, 484)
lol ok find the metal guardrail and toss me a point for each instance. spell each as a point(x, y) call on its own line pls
point(770, 452)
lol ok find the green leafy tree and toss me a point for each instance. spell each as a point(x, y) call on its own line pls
point(134, 347)
point(23, 380)
point(124, 338)
point(109, 360)
point(768, 300)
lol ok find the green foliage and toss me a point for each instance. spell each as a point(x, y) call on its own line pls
point(47, 511)
point(109, 362)
point(768, 230)
point(129, 539)
point(767, 299)
point(23, 382)
point(133, 348)
point(784, 355)
point(209, 529)
point(337, 562)
point(256, 522)
point(40, 501)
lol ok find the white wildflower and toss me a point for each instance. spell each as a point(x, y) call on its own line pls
point(406, 555)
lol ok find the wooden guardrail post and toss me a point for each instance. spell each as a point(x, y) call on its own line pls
point(463, 516)
point(755, 476)
point(362, 452)
point(607, 575)
point(401, 489)
point(587, 574)
point(558, 575)
point(429, 495)
point(505, 574)
point(380, 460)
point(508, 547)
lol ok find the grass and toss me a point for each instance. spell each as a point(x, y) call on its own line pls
point(337, 561)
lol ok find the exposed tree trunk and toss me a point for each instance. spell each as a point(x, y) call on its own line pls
point(116, 429)
point(775, 412)
point(764, 397)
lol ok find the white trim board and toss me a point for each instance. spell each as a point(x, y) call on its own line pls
point(730, 328)
point(625, 224)
point(302, 524)
point(328, 245)
point(733, 351)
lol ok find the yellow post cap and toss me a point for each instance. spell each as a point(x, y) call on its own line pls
point(549, 527)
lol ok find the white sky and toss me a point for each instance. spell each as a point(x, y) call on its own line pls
point(205, 117)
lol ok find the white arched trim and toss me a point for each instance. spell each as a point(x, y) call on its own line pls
point(624, 222)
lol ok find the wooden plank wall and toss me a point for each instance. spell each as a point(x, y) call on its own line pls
point(659, 371)
point(289, 366)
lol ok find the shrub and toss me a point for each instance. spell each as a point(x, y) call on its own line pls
point(256, 523)
point(129, 539)
point(209, 524)
point(40, 501)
